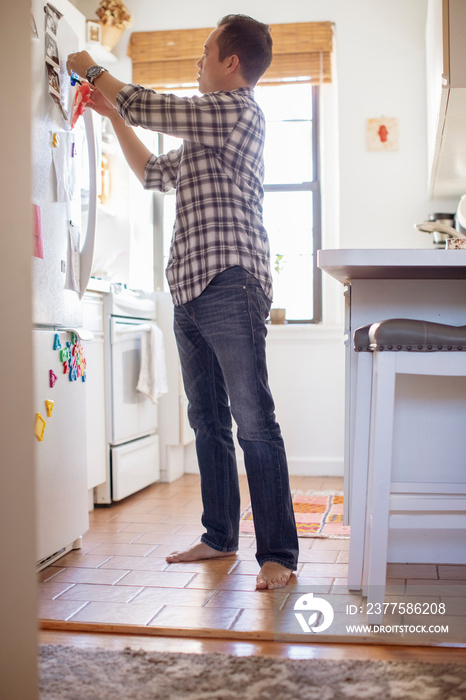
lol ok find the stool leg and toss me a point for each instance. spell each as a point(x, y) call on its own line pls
point(380, 463)
point(359, 470)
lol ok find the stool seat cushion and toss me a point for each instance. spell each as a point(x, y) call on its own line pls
point(409, 334)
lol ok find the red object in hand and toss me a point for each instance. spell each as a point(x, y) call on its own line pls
point(81, 100)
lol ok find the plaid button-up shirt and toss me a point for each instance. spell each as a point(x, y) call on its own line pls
point(217, 172)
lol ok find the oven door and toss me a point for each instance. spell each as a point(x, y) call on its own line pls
point(133, 415)
point(135, 465)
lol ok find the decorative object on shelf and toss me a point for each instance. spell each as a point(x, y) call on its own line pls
point(278, 315)
point(114, 19)
point(383, 134)
point(93, 32)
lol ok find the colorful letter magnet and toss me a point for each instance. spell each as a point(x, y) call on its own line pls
point(39, 429)
point(53, 378)
point(49, 407)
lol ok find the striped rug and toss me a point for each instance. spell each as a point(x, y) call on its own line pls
point(317, 514)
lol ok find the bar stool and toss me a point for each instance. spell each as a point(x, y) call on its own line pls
point(389, 348)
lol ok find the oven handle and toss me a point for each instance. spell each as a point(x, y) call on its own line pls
point(122, 329)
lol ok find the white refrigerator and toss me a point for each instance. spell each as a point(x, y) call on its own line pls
point(64, 193)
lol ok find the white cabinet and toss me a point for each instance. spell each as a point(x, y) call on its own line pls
point(446, 97)
point(97, 453)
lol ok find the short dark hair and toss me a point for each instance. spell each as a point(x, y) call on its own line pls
point(248, 39)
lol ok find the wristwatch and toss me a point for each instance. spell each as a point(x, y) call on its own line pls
point(93, 72)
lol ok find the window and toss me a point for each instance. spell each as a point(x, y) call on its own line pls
point(292, 206)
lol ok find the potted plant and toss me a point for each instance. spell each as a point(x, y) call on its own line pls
point(278, 314)
point(114, 17)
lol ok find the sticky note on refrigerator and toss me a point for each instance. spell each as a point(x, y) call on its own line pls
point(73, 268)
point(38, 241)
point(63, 150)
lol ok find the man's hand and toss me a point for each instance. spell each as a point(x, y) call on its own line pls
point(101, 105)
point(79, 62)
point(108, 85)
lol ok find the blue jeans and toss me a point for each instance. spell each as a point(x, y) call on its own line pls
point(221, 343)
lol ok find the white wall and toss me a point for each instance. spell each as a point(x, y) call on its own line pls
point(370, 199)
point(18, 618)
point(380, 71)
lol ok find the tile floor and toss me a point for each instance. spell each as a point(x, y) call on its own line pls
point(120, 576)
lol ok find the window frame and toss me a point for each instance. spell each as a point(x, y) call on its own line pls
point(315, 187)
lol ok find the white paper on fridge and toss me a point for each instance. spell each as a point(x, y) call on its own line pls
point(73, 271)
point(64, 161)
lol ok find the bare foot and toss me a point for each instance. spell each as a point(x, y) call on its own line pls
point(272, 575)
point(198, 551)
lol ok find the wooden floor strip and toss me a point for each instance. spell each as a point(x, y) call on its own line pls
point(233, 635)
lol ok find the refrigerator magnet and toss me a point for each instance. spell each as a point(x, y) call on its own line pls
point(39, 429)
point(53, 378)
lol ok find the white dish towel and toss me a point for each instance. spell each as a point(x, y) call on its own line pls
point(153, 373)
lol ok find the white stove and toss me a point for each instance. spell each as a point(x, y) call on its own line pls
point(131, 417)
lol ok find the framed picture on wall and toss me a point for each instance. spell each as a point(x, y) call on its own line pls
point(93, 32)
point(383, 134)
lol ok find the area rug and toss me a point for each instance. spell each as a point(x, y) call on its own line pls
point(317, 514)
point(68, 673)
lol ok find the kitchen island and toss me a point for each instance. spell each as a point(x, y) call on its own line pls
point(430, 418)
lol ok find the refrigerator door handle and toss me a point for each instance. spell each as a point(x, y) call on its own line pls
point(87, 252)
point(82, 333)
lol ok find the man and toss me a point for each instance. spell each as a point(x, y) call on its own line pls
point(220, 280)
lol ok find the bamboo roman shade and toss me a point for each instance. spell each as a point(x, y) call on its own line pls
point(167, 59)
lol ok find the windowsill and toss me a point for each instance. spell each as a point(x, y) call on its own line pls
point(305, 332)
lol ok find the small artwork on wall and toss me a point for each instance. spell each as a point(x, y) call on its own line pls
point(383, 134)
point(93, 32)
